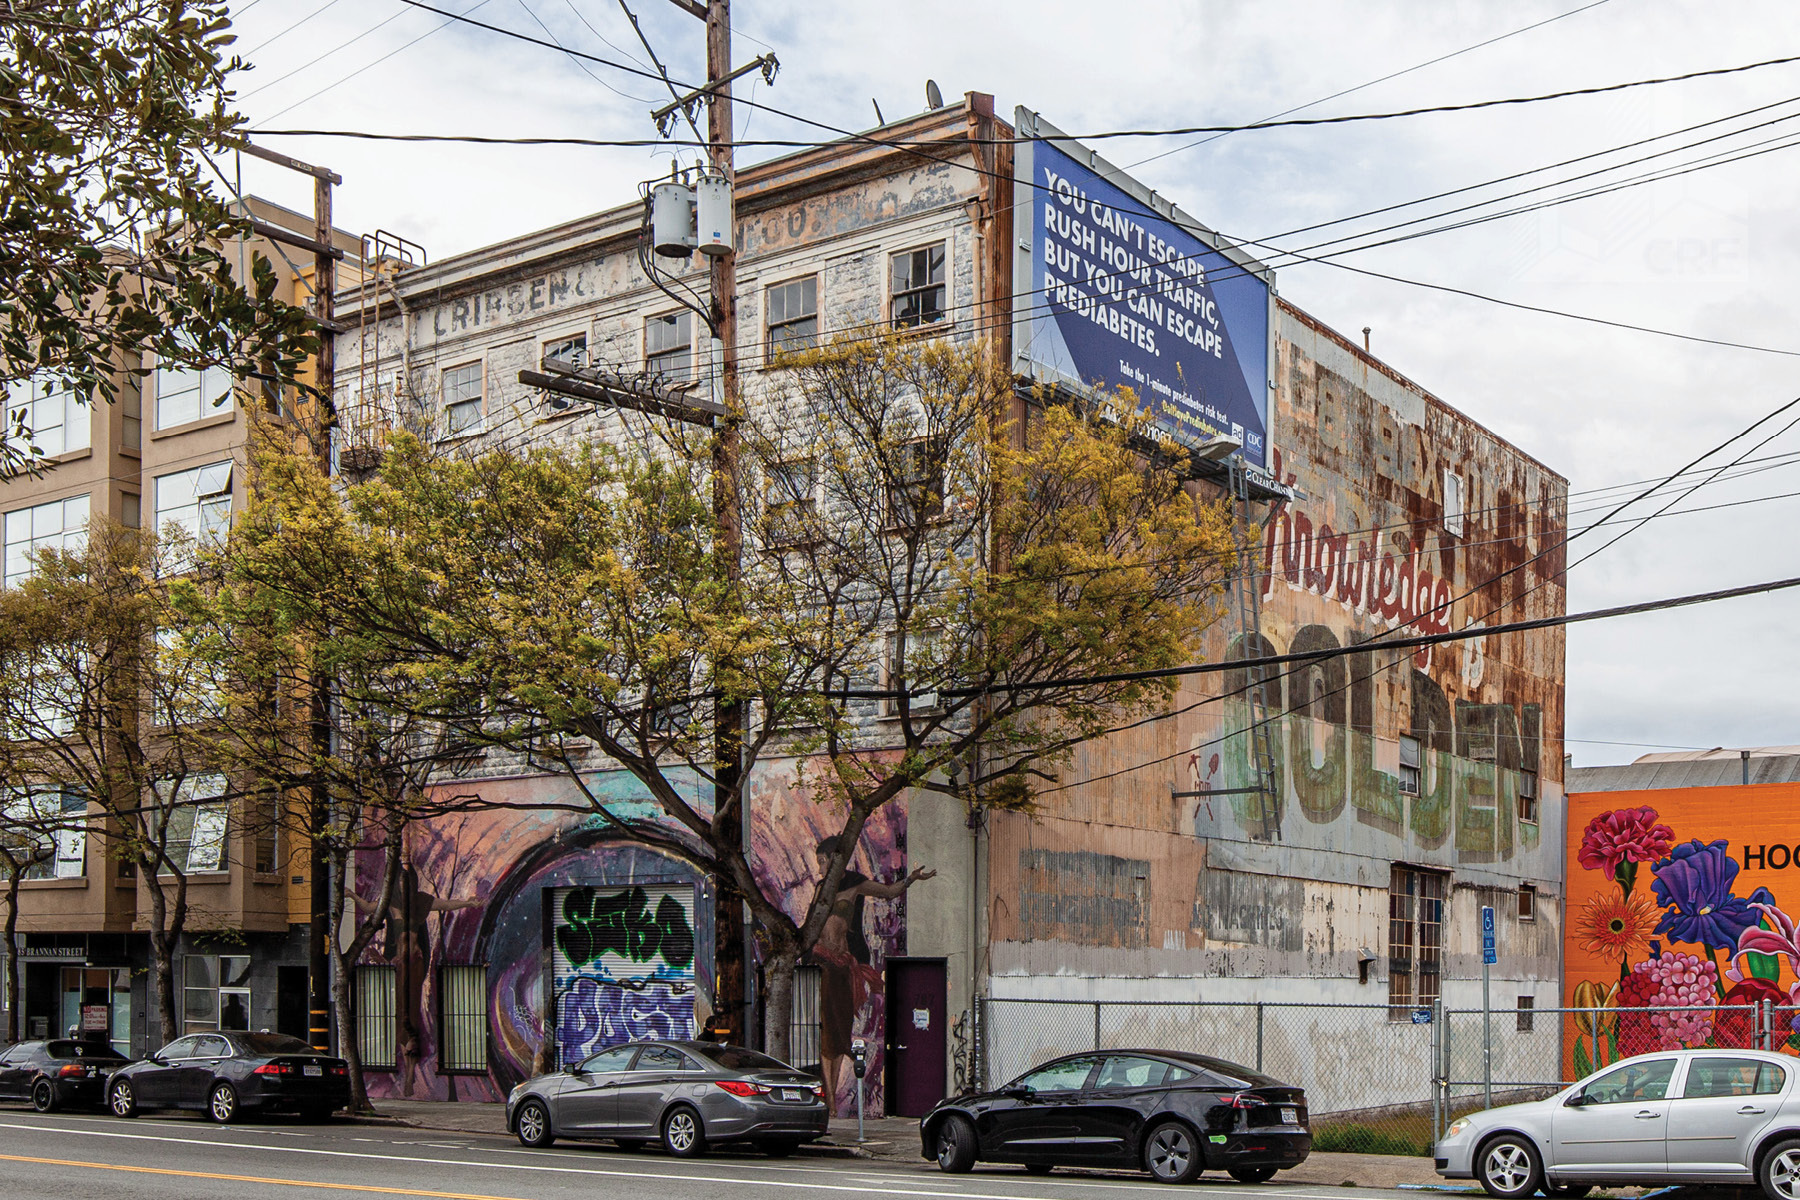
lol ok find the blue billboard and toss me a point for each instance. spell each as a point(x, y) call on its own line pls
point(1116, 286)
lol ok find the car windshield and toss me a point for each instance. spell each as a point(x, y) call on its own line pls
point(94, 1050)
point(272, 1043)
point(1230, 1073)
point(736, 1058)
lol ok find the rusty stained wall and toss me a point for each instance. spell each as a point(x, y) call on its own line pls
point(1240, 889)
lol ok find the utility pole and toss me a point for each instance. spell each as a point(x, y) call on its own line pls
point(325, 378)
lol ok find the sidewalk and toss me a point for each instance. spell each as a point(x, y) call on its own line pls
point(896, 1139)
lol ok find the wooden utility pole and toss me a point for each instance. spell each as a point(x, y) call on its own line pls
point(318, 804)
point(731, 993)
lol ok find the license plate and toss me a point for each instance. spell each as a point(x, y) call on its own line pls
point(1289, 1117)
point(312, 1070)
point(792, 1094)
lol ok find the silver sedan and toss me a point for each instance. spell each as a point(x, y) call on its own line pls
point(686, 1095)
point(1688, 1116)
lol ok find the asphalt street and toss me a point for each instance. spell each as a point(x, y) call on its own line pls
point(76, 1157)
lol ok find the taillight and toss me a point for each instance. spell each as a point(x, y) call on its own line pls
point(273, 1069)
point(340, 1070)
point(73, 1071)
point(1244, 1100)
point(818, 1091)
point(739, 1087)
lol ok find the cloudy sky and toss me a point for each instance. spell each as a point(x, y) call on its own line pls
point(1710, 253)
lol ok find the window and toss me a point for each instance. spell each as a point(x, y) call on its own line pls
point(185, 394)
point(1634, 1082)
point(215, 995)
point(1415, 939)
point(1065, 1076)
point(609, 1062)
point(462, 398)
point(49, 413)
point(669, 346)
point(131, 510)
point(917, 286)
point(59, 525)
point(664, 1058)
point(196, 502)
point(570, 350)
point(1453, 503)
point(376, 1017)
point(1527, 1010)
point(1708, 1077)
point(192, 821)
point(790, 499)
point(49, 827)
point(916, 489)
point(793, 315)
point(1409, 765)
point(180, 1048)
point(465, 1024)
point(1527, 902)
point(1528, 797)
point(1124, 1072)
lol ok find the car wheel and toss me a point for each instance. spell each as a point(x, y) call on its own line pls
point(1508, 1167)
point(1251, 1174)
point(43, 1096)
point(122, 1099)
point(682, 1134)
point(778, 1147)
point(1566, 1191)
point(956, 1146)
point(222, 1104)
point(1039, 1168)
point(533, 1125)
point(1172, 1154)
point(1780, 1171)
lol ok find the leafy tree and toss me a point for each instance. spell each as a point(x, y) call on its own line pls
point(112, 242)
point(28, 830)
point(924, 579)
point(99, 694)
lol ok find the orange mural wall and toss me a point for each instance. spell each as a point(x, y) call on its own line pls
point(1681, 905)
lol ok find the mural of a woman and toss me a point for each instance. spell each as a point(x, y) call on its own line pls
point(846, 973)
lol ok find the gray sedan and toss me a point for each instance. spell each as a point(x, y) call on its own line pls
point(686, 1095)
point(1688, 1116)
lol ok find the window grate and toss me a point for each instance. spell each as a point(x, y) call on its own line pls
point(377, 1024)
point(464, 1009)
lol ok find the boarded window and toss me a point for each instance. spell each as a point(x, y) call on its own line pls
point(464, 1019)
point(377, 1027)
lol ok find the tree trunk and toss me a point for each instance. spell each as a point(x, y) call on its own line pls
point(15, 1021)
point(163, 938)
point(778, 1004)
point(349, 1047)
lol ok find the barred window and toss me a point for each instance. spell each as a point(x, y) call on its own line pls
point(793, 315)
point(377, 1025)
point(1415, 938)
point(918, 286)
point(464, 1022)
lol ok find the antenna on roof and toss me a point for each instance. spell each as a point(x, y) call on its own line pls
point(934, 99)
point(879, 119)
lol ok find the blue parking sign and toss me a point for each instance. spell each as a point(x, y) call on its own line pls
point(1489, 952)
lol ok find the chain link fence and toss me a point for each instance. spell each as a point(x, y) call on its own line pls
point(1378, 1079)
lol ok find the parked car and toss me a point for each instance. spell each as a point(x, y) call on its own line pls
point(228, 1073)
point(60, 1071)
point(687, 1095)
point(1686, 1116)
point(1171, 1114)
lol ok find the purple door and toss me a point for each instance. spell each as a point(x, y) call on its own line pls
point(916, 995)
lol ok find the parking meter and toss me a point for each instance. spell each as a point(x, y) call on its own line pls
point(859, 1057)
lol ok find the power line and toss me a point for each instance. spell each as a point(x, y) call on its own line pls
point(314, 61)
point(297, 24)
point(1430, 62)
point(585, 69)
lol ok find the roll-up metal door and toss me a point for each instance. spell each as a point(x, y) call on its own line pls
point(622, 965)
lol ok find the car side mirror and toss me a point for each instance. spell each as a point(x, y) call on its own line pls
point(1016, 1091)
point(1578, 1100)
point(574, 1069)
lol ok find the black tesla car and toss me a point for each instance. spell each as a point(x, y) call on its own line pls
point(1168, 1113)
point(57, 1072)
point(227, 1073)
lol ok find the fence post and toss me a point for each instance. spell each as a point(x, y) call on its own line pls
point(1436, 1071)
point(1096, 1024)
point(1259, 1036)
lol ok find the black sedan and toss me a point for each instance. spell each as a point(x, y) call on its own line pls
point(57, 1072)
point(227, 1073)
point(1171, 1114)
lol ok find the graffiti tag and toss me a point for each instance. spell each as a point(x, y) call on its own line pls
point(622, 924)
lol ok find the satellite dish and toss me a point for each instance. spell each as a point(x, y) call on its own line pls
point(934, 99)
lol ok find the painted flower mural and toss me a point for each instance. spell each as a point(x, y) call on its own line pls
point(1690, 961)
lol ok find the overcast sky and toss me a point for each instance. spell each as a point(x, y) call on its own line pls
point(1712, 253)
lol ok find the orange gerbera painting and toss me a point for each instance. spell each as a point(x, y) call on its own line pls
point(1617, 926)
